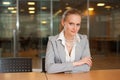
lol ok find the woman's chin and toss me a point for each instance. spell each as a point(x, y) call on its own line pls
point(73, 34)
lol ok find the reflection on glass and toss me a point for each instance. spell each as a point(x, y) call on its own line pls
point(7, 24)
point(105, 33)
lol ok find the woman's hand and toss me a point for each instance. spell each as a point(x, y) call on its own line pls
point(86, 60)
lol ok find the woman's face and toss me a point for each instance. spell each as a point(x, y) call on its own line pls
point(72, 24)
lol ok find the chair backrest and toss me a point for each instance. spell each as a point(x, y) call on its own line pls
point(42, 57)
point(17, 64)
point(43, 65)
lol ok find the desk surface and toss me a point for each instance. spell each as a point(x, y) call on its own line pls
point(23, 76)
point(92, 75)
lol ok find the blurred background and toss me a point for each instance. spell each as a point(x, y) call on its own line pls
point(25, 26)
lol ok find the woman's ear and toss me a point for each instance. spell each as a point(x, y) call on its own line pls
point(62, 22)
point(61, 25)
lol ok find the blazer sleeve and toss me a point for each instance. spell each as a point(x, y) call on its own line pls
point(85, 53)
point(51, 65)
point(86, 49)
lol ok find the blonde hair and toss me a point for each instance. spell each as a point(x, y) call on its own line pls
point(67, 13)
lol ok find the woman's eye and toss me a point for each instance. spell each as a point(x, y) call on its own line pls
point(78, 24)
point(71, 24)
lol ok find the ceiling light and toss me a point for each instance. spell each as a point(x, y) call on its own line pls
point(6, 3)
point(10, 8)
point(13, 11)
point(44, 22)
point(100, 4)
point(31, 8)
point(43, 8)
point(108, 7)
point(31, 3)
point(90, 9)
point(68, 7)
point(31, 12)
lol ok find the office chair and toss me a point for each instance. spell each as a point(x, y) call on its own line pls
point(17, 64)
point(42, 57)
point(43, 65)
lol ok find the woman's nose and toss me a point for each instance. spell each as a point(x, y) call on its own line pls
point(75, 27)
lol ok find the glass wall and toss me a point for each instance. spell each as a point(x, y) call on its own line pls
point(105, 33)
point(7, 25)
point(104, 26)
point(36, 20)
point(35, 27)
point(35, 24)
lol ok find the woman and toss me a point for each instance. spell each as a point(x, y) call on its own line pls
point(68, 51)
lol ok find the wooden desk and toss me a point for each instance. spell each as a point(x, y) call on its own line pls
point(23, 76)
point(92, 75)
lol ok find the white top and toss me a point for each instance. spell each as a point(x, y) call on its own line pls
point(72, 57)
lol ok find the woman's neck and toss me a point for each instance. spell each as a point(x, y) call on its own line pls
point(69, 37)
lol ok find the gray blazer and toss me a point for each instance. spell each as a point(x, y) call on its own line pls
point(55, 61)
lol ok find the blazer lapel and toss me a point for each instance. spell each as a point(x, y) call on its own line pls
point(78, 51)
point(61, 51)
